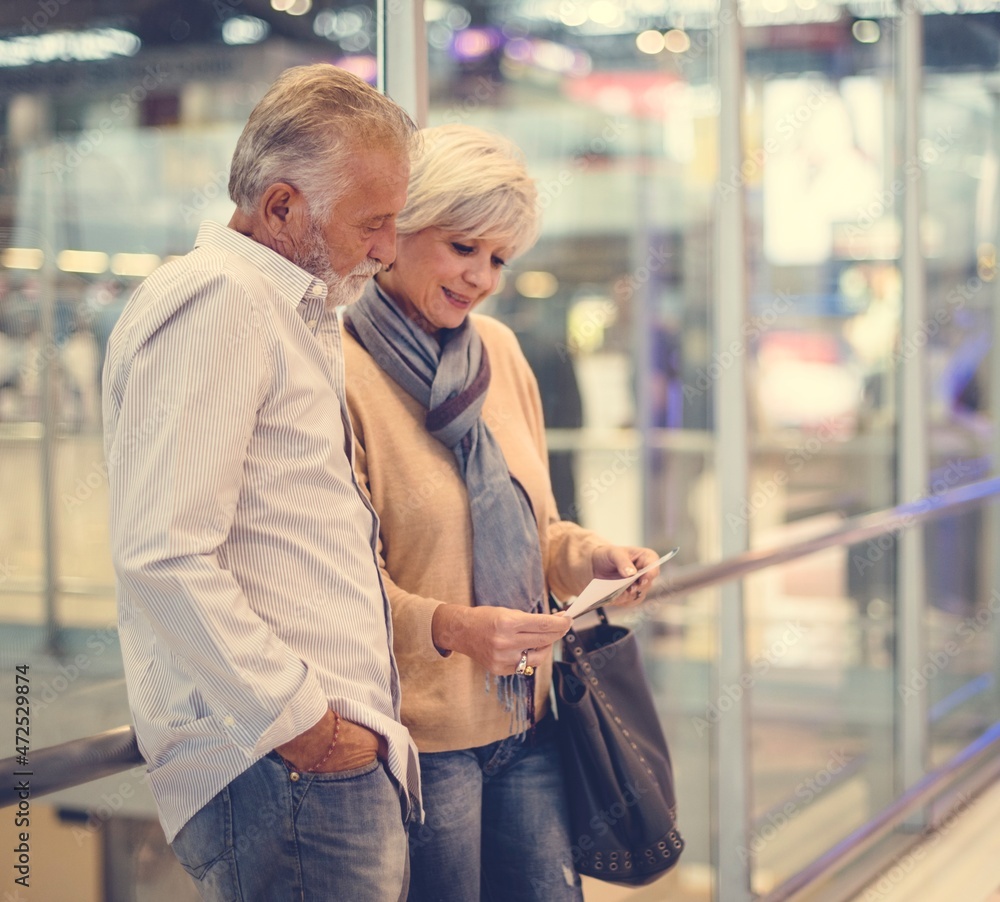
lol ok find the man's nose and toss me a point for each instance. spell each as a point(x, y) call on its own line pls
point(384, 247)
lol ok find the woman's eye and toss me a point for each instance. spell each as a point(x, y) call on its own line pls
point(498, 263)
point(462, 248)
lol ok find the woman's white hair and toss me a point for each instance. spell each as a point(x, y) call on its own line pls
point(304, 130)
point(464, 179)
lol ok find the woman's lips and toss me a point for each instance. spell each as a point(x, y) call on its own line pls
point(456, 299)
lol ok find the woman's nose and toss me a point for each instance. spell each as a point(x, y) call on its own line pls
point(478, 273)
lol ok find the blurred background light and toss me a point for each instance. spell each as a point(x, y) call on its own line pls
point(140, 265)
point(866, 31)
point(365, 66)
point(244, 30)
point(82, 261)
point(475, 43)
point(22, 258)
point(650, 41)
point(80, 46)
point(536, 284)
point(677, 41)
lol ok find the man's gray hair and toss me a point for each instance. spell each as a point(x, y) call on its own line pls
point(303, 131)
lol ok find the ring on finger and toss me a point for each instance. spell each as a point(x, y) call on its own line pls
point(523, 667)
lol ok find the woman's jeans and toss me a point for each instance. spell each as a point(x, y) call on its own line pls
point(495, 824)
point(321, 838)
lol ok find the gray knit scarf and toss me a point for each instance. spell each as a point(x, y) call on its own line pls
point(450, 379)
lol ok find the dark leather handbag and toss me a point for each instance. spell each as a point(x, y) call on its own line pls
point(623, 811)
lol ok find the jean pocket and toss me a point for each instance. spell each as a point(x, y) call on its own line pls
point(206, 839)
point(339, 776)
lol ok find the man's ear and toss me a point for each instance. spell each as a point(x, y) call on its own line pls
point(284, 212)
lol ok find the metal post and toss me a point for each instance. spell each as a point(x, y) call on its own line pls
point(991, 515)
point(731, 805)
point(911, 713)
point(49, 363)
point(402, 55)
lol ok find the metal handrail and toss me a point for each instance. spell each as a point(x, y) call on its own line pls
point(849, 848)
point(855, 530)
point(70, 764)
point(83, 760)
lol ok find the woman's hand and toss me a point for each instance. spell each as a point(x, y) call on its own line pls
point(495, 637)
point(619, 561)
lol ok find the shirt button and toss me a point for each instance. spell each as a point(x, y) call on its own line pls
point(312, 323)
point(316, 290)
point(229, 720)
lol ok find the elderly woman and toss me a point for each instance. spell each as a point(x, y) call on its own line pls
point(450, 446)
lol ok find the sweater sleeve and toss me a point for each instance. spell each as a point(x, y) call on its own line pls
point(411, 614)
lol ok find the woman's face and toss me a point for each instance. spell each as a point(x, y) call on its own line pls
point(439, 277)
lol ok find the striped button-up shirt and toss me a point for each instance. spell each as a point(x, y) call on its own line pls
point(249, 596)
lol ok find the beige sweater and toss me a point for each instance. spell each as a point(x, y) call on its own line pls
point(426, 533)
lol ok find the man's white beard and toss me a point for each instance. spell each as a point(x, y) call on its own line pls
point(315, 259)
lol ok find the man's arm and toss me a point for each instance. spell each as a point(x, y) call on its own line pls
point(176, 464)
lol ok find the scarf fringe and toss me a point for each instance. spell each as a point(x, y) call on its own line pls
point(516, 694)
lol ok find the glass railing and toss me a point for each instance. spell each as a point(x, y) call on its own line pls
point(822, 701)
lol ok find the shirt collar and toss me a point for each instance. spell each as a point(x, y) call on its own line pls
point(290, 281)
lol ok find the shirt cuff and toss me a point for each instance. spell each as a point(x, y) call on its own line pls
point(303, 711)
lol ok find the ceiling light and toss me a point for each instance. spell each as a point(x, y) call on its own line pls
point(82, 261)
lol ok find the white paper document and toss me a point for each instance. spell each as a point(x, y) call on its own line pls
point(603, 591)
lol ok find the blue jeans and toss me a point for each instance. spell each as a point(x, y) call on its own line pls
point(495, 825)
point(323, 838)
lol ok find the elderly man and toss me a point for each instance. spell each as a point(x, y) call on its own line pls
point(254, 627)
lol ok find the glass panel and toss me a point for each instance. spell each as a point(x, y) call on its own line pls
point(112, 149)
point(820, 670)
point(956, 678)
point(617, 124)
point(824, 278)
point(111, 152)
point(616, 110)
